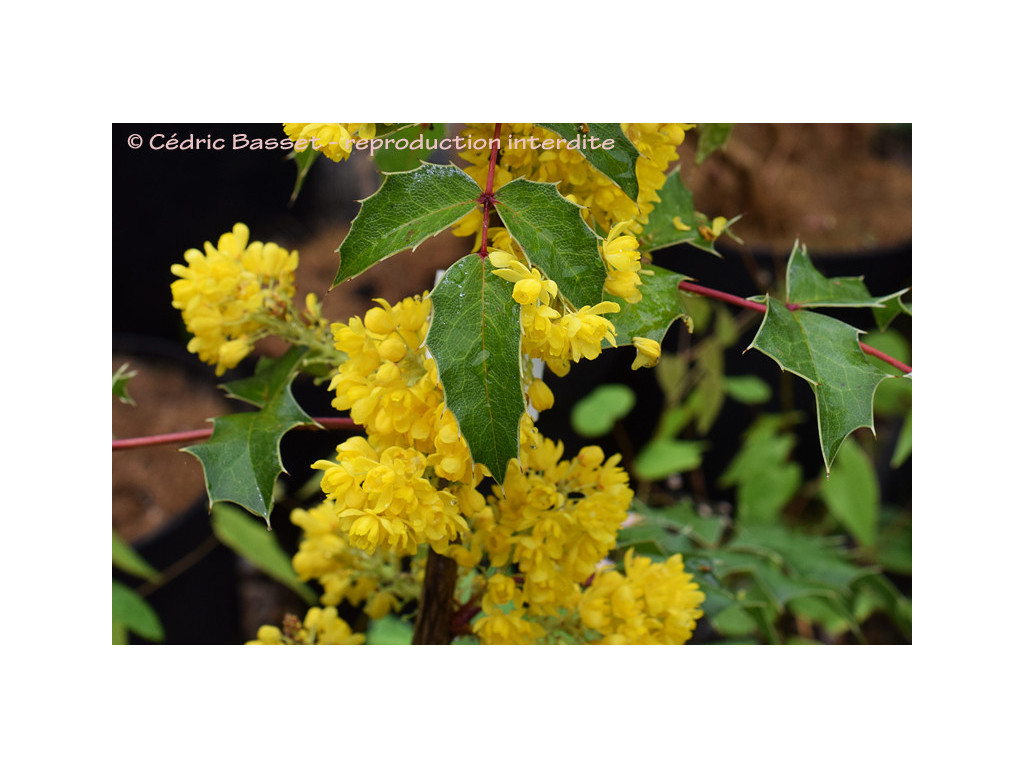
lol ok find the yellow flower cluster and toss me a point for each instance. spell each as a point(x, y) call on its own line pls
point(392, 389)
point(498, 626)
point(334, 140)
point(553, 519)
point(603, 201)
point(226, 294)
point(322, 626)
point(652, 604)
point(346, 573)
point(385, 501)
point(556, 337)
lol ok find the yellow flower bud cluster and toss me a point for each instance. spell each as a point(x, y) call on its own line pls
point(604, 202)
point(383, 499)
point(226, 294)
point(498, 626)
point(652, 604)
point(322, 626)
point(621, 254)
point(334, 140)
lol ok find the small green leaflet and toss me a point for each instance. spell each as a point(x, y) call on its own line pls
point(807, 287)
point(651, 317)
point(554, 237)
point(243, 458)
point(711, 136)
point(303, 162)
point(129, 611)
point(891, 307)
point(661, 229)
point(825, 352)
point(406, 210)
point(474, 336)
point(130, 561)
point(615, 156)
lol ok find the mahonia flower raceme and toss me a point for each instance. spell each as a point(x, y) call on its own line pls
point(334, 140)
point(384, 500)
point(503, 619)
point(553, 519)
point(651, 604)
point(344, 572)
point(391, 387)
point(621, 253)
point(226, 294)
point(322, 626)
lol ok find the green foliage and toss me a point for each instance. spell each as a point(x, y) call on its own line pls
point(129, 561)
point(826, 353)
point(554, 237)
point(615, 158)
point(303, 162)
point(851, 494)
point(130, 613)
point(120, 384)
point(710, 138)
point(406, 210)
point(242, 459)
point(762, 473)
point(474, 336)
point(389, 630)
point(394, 160)
point(246, 537)
point(651, 317)
point(667, 456)
point(596, 414)
point(674, 220)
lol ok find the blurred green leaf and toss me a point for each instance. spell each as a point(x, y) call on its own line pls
point(392, 159)
point(903, 447)
point(389, 630)
point(762, 472)
point(663, 457)
point(250, 539)
point(120, 383)
point(851, 494)
point(129, 561)
point(596, 414)
point(135, 614)
point(711, 137)
point(749, 390)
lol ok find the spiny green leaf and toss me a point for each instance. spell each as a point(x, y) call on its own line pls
point(554, 237)
point(711, 136)
point(130, 561)
point(596, 414)
point(391, 159)
point(241, 532)
point(851, 494)
point(615, 157)
point(825, 352)
point(891, 307)
point(807, 287)
point(134, 613)
point(243, 458)
point(674, 220)
point(651, 317)
point(406, 210)
point(474, 336)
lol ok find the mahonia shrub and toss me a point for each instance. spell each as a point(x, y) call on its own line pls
point(529, 533)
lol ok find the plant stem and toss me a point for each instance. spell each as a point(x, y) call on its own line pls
point(691, 287)
point(434, 620)
point(328, 422)
point(487, 197)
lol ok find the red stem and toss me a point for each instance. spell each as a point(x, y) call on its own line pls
point(487, 198)
point(691, 287)
point(328, 422)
